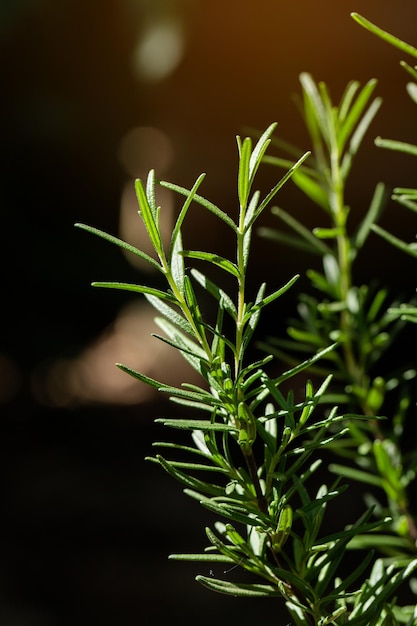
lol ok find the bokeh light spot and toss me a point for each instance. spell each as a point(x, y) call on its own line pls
point(143, 148)
point(159, 50)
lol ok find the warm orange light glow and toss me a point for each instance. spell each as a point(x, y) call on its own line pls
point(143, 148)
point(92, 377)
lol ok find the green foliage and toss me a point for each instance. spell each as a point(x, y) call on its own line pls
point(406, 197)
point(255, 442)
point(361, 319)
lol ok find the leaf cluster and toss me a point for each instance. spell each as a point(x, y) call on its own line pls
point(404, 196)
point(253, 453)
point(363, 320)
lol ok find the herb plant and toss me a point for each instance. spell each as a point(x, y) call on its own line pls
point(255, 445)
point(362, 319)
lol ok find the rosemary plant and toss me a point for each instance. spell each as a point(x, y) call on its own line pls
point(405, 197)
point(362, 320)
point(253, 447)
point(254, 444)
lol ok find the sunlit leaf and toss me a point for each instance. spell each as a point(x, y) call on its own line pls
point(355, 113)
point(178, 224)
point(243, 175)
point(188, 480)
point(177, 264)
point(382, 34)
point(138, 289)
point(171, 314)
point(255, 590)
point(142, 377)
point(121, 244)
point(358, 135)
point(316, 117)
point(399, 146)
point(371, 216)
point(203, 202)
point(149, 216)
point(188, 424)
point(259, 151)
point(215, 259)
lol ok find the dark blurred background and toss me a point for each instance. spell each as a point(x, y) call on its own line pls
point(94, 94)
